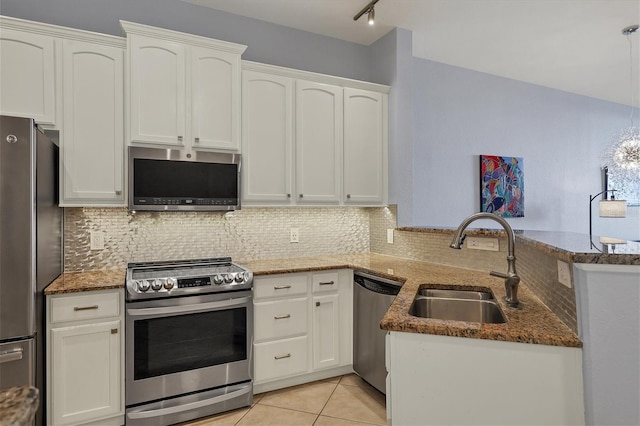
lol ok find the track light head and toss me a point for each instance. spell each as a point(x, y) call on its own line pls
point(368, 9)
point(371, 16)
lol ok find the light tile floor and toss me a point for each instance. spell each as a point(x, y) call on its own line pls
point(341, 401)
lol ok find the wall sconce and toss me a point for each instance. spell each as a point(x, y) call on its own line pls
point(369, 10)
point(608, 208)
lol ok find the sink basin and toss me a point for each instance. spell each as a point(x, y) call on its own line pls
point(457, 305)
point(455, 294)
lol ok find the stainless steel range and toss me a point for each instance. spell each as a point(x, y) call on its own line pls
point(189, 340)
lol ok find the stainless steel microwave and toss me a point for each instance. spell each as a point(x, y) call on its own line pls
point(175, 179)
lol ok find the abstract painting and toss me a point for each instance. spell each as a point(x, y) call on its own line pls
point(502, 185)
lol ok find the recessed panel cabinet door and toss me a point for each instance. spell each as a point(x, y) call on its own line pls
point(86, 379)
point(158, 95)
point(318, 142)
point(267, 120)
point(93, 133)
point(215, 99)
point(326, 331)
point(363, 147)
point(27, 77)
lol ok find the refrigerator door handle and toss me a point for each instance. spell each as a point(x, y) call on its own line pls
point(13, 355)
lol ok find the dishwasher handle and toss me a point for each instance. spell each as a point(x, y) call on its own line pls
point(377, 286)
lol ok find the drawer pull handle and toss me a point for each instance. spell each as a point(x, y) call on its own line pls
point(281, 287)
point(283, 316)
point(327, 283)
point(282, 356)
point(85, 308)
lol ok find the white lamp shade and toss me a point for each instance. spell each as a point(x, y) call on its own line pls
point(613, 208)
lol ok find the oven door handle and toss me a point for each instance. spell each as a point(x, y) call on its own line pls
point(189, 406)
point(188, 308)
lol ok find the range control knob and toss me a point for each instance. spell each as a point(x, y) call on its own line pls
point(156, 284)
point(143, 285)
point(228, 278)
point(170, 283)
point(239, 277)
point(217, 279)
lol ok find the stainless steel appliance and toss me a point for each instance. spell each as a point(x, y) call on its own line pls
point(174, 179)
point(30, 248)
point(189, 340)
point(372, 297)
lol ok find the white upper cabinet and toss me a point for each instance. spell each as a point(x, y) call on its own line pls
point(27, 73)
point(365, 144)
point(318, 142)
point(157, 91)
point(92, 139)
point(183, 90)
point(267, 137)
point(312, 139)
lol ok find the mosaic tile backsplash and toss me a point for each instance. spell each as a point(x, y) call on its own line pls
point(247, 234)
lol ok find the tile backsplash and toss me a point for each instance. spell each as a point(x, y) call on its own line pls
point(247, 234)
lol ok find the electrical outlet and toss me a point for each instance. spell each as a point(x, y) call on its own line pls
point(564, 273)
point(477, 243)
point(97, 240)
point(390, 236)
point(294, 235)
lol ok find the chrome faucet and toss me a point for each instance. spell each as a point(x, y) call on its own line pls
point(511, 278)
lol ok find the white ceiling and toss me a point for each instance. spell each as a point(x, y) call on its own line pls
point(571, 45)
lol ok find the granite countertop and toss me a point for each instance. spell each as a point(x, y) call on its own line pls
point(18, 405)
point(534, 323)
point(571, 247)
point(74, 282)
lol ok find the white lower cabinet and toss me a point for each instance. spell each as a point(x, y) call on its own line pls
point(85, 358)
point(302, 327)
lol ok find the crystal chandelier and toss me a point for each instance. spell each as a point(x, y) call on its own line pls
point(622, 157)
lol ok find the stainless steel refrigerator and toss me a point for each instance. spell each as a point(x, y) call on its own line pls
point(30, 248)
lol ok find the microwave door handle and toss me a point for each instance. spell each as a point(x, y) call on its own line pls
point(188, 308)
point(186, 407)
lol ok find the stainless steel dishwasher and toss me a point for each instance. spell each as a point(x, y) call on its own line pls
point(372, 297)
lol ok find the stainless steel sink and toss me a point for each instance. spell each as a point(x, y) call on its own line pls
point(455, 294)
point(457, 305)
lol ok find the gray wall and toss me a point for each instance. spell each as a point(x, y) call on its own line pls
point(267, 43)
point(460, 114)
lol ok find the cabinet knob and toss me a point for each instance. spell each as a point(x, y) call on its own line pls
point(179, 138)
point(317, 303)
point(288, 195)
point(197, 140)
point(301, 195)
point(348, 195)
point(118, 192)
point(114, 331)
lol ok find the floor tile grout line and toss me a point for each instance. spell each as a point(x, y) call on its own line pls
point(355, 421)
point(328, 399)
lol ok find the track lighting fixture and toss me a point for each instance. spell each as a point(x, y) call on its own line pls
point(369, 10)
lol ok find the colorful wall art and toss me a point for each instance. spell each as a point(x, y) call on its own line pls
point(502, 185)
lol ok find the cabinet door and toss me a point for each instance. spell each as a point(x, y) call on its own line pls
point(318, 142)
point(157, 91)
point(93, 140)
point(326, 331)
point(363, 147)
point(215, 99)
point(86, 380)
point(267, 134)
point(27, 76)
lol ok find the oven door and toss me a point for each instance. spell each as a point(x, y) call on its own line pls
point(180, 345)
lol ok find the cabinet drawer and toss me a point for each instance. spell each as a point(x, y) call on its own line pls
point(85, 306)
point(327, 281)
point(281, 359)
point(279, 285)
point(278, 319)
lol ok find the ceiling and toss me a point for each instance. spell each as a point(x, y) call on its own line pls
point(571, 45)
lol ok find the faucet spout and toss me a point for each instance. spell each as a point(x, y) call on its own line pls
point(511, 278)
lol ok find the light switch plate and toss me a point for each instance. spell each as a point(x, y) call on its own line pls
point(390, 236)
point(564, 273)
point(97, 240)
point(477, 243)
